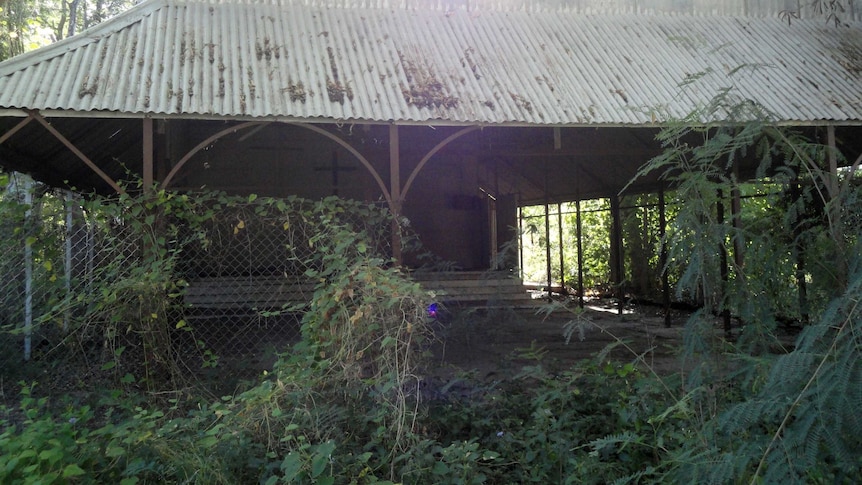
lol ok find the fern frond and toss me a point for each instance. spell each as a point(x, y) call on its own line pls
point(778, 467)
point(765, 412)
point(728, 468)
point(617, 442)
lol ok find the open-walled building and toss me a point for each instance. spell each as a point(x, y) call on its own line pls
point(450, 114)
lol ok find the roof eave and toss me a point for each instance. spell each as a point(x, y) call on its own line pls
point(97, 114)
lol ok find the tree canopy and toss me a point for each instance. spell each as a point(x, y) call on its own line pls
point(28, 24)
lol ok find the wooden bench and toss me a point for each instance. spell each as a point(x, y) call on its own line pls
point(246, 292)
point(469, 288)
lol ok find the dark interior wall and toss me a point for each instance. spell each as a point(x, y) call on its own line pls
point(449, 213)
point(278, 160)
point(444, 206)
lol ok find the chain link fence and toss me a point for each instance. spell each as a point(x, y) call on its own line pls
point(246, 271)
point(209, 282)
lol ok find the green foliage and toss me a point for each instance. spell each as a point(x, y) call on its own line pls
point(595, 223)
point(344, 402)
point(770, 232)
point(353, 378)
point(801, 425)
point(641, 236)
point(136, 445)
point(28, 24)
point(787, 416)
point(542, 428)
point(48, 450)
point(342, 406)
point(15, 17)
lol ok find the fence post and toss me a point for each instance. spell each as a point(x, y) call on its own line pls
point(27, 185)
point(563, 290)
point(67, 260)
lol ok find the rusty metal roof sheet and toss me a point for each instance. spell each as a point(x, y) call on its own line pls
point(288, 60)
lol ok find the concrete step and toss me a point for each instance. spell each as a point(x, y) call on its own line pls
point(245, 292)
point(476, 288)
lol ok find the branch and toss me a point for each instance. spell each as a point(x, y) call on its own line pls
point(853, 168)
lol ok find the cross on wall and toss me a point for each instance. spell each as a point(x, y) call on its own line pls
point(334, 168)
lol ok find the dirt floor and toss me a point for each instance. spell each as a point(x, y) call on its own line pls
point(489, 344)
point(495, 343)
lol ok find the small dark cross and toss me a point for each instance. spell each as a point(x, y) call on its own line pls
point(335, 168)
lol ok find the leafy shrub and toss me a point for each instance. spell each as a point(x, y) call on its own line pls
point(48, 449)
point(346, 395)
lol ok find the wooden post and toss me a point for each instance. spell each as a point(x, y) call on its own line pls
point(580, 256)
point(521, 243)
point(548, 235)
point(736, 217)
point(148, 154)
point(548, 247)
point(496, 263)
point(616, 252)
point(395, 191)
point(563, 290)
point(163, 150)
point(665, 284)
point(737, 240)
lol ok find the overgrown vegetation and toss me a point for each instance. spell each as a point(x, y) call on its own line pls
point(641, 254)
point(595, 226)
point(348, 403)
point(354, 376)
point(784, 418)
point(756, 407)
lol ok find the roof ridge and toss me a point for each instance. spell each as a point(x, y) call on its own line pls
point(733, 8)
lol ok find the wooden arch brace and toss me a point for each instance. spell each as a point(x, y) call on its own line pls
point(200, 146)
point(449, 139)
point(233, 129)
point(393, 202)
point(395, 193)
point(16, 128)
point(364, 161)
point(114, 185)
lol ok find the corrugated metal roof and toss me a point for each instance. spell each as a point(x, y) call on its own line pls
point(291, 61)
